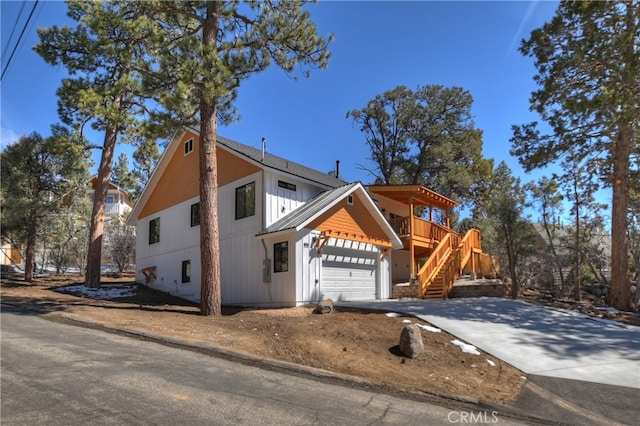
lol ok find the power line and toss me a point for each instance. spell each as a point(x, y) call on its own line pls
point(15, 48)
point(15, 25)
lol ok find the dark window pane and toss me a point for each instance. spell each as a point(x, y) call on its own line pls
point(246, 200)
point(281, 257)
point(186, 271)
point(154, 231)
point(195, 214)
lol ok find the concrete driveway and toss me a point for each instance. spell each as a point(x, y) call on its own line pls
point(538, 340)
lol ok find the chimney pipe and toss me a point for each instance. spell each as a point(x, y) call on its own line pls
point(338, 169)
point(264, 148)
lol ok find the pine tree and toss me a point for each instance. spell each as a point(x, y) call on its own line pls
point(106, 55)
point(589, 94)
point(426, 137)
point(36, 174)
point(209, 49)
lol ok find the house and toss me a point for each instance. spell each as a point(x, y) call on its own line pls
point(289, 235)
point(10, 253)
point(118, 200)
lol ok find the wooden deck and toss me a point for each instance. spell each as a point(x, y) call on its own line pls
point(437, 254)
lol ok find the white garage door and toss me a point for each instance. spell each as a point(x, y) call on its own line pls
point(348, 274)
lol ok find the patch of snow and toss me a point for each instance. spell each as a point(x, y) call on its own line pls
point(407, 321)
point(100, 293)
point(491, 363)
point(393, 314)
point(429, 328)
point(465, 347)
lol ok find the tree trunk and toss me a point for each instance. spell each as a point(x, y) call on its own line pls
point(578, 284)
point(620, 285)
point(31, 251)
point(210, 294)
point(94, 253)
point(512, 259)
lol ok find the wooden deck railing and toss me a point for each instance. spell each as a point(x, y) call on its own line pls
point(448, 260)
point(470, 242)
point(420, 228)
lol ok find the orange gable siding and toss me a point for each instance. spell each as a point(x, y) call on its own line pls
point(180, 180)
point(354, 219)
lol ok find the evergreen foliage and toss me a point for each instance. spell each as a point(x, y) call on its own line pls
point(37, 174)
point(207, 50)
point(425, 137)
point(588, 63)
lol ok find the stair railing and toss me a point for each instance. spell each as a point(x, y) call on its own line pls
point(434, 264)
point(470, 241)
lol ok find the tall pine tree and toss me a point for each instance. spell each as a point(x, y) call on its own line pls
point(209, 49)
point(106, 54)
point(589, 94)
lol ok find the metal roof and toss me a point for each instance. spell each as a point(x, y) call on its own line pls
point(310, 210)
point(420, 195)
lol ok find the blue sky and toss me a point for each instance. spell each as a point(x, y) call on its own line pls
point(378, 45)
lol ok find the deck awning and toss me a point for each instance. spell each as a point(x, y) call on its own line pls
point(418, 194)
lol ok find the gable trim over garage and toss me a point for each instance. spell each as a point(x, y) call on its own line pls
point(335, 214)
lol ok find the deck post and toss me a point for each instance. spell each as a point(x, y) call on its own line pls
point(412, 261)
point(473, 265)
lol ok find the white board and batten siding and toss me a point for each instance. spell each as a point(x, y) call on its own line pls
point(280, 200)
point(179, 241)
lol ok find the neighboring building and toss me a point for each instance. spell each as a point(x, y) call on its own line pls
point(118, 200)
point(9, 253)
point(289, 235)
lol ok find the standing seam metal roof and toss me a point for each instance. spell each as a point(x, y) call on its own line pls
point(309, 210)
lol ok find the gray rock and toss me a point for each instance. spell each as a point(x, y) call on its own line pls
point(411, 344)
point(324, 307)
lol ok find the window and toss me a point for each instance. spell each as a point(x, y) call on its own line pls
point(195, 214)
point(246, 200)
point(350, 200)
point(186, 271)
point(154, 230)
point(281, 257)
point(286, 185)
point(110, 199)
point(188, 146)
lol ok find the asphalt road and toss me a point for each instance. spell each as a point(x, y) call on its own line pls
point(59, 374)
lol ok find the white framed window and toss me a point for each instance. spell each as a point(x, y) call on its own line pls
point(110, 199)
point(186, 271)
point(281, 257)
point(246, 200)
point(188, 146)
point(154, 231)
point(286, 185)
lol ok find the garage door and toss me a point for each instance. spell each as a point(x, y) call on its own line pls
point(348, 274)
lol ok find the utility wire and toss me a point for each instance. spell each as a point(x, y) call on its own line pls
point(15, 48)
point(13, 30)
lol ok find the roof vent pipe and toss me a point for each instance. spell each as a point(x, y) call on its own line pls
point(338, 169)
point(264, 148)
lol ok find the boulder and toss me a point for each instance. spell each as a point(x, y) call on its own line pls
point(411, 344)
point(324, 307)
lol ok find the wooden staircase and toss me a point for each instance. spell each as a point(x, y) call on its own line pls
point(446, 263)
